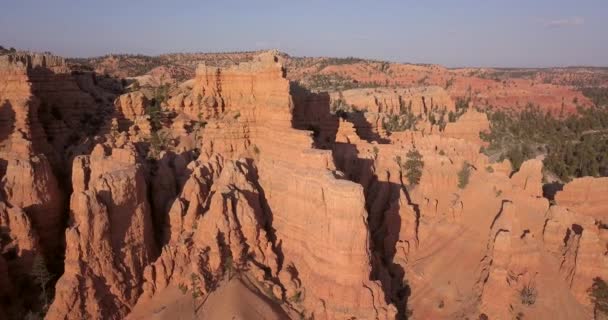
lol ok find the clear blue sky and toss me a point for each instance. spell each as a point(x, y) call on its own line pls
point(449, 32)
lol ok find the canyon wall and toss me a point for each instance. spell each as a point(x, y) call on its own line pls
point(45, 110)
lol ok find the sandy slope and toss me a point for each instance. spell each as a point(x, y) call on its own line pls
point(232, 300)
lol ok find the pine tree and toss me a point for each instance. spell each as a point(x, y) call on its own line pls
point(41, 275)
point(463, 175)
point(413, 166)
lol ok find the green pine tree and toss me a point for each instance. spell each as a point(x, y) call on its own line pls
point(413, 166)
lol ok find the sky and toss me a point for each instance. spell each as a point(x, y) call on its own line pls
point(454, 33)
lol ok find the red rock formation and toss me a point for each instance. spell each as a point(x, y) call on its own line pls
point(420, 100)
point(29, 184)
point(468, 127)
point(479, 85)
point(310, 212)
point(468, 251)
point(130, 108)
point(110, 240)
point(586, 196)
point(245, 214)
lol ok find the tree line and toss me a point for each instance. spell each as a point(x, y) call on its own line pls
point(573, 145)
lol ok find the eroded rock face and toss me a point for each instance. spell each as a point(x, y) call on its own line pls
point(46, 114)
point(468, 126)
point(586, 196)
point(30, 184)
point(110, 238)
point(419, 100)
point(44, 109)
point(130, 108)
point(493, 233)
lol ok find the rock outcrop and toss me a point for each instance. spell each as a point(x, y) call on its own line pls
point(110, 238)
point(418, 100)
point(45, 112)
point(586, 196)
point(468, 127)
point(256, 215)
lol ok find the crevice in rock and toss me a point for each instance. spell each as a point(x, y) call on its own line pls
point(502, 206)
point(267, 213)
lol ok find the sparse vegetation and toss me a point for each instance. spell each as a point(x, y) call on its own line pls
point(599, 295)
point(398, 161)
point(375, 151)
point(464, 175)
point(338, 61)
point(195, 284)
point(441, 304)
point(528, 295)
point(135, 86)
point(497, 192)
point(449, 83)
point(297, 297)
point(41, 275)
point(405, 120)
point(229, 266)
point(183, 288)
point(159, 141)
point(413, 167)
point(598, 95)
point(333, 82)
point(461, 105)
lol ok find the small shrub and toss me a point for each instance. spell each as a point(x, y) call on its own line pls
point(256, 150)
point(449, 83)
point(375, 151)
point(135, 86)
point(464, 175)
point(229, 266)
point(398, 160)
point(183, 288)
point(528, 295)
point(159, 141)
point(422, 81)
point(297, 297)
point(441, 304)
point(195, 283)
point(441, 152)
point(489, 169)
